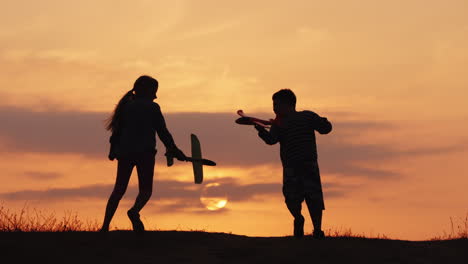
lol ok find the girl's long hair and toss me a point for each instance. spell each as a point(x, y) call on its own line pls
point(143, 85)
point(113, 122)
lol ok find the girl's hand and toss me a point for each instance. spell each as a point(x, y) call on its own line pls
point(111, 156)
point(176, 153)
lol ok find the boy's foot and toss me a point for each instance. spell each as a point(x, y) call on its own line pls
point(136, 222)
point(299, 227)
point(318, 234)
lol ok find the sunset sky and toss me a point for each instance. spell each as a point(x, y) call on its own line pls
point(392, 77)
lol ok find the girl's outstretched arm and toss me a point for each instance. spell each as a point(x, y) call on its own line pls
point(165, 135)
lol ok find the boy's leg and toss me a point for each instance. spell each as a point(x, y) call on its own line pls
point(316, 212)
point(294, 196)
point(124, 171)
point(314, 196)
point(316, 216)
point(295, 208)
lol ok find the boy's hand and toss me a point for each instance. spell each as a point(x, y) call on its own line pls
point(259, 128)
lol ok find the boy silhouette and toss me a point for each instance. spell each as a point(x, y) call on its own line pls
point(298, 150)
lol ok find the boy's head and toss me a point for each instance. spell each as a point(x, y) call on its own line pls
point(284, 101)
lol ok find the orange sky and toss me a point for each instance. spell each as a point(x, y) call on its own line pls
point(389, 75)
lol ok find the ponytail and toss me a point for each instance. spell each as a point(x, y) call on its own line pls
point(113, 123)
point(143, 85)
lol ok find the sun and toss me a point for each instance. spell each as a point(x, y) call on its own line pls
point(213, 197)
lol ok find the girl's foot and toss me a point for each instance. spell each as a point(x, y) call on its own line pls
point(136, 222)
point(104, 229)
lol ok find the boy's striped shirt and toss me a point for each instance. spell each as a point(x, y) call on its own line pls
point(296, 136)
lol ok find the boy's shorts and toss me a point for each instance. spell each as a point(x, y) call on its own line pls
point(303, 182)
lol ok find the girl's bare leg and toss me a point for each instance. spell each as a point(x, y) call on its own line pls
point(124, 171)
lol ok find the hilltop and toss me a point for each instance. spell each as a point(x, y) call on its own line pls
point(202, 247)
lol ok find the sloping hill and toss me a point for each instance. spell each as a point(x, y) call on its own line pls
point(201, 247)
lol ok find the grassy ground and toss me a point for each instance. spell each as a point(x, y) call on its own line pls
point(202, 247)
point(33, 236)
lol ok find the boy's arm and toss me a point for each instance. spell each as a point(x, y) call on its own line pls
point(322, 125)
point(165, 135)
point(270, 137)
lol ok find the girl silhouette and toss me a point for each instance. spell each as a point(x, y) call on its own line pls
point(134, 124)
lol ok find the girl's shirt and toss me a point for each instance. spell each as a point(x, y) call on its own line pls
point(141, 120)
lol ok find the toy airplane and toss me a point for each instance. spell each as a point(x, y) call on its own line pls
point(196, 159)
point(248, 120)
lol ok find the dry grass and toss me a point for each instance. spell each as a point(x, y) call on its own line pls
point(347, 232)
point(458, 229)
point(27, 220)
point(37, 221)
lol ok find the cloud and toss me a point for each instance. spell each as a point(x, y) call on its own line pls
point(52, 131)
point(222, 140)
point(37, 175)
point(164, 190)
point(170, 196)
